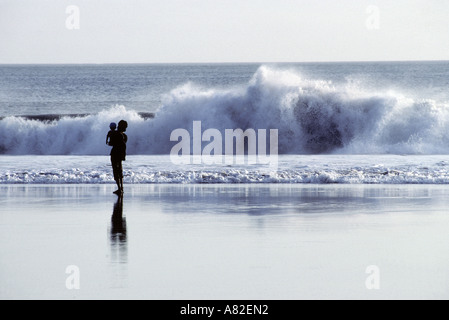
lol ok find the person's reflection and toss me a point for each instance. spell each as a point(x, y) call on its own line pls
point(119, 244)
point(118, 224)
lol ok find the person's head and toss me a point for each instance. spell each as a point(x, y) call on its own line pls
point(122, 125)
point(112, 126)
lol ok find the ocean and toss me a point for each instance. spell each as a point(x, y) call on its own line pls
point(353, 204)
point(372, 122)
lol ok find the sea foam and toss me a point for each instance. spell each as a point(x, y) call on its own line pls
point(293, 169)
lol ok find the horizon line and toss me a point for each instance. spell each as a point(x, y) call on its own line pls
point(198, 63)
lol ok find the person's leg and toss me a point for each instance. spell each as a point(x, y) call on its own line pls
point(116, 169)
point(119, 189)
point(120, 168)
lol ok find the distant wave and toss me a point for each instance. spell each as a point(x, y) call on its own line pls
point(312, 116)
point(57, 117)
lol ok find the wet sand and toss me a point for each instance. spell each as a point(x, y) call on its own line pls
point(224, 242)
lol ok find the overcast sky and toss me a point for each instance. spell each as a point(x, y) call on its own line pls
point(158, 31)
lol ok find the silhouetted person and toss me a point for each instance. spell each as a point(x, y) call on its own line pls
point(112, 126)
point(118, 154)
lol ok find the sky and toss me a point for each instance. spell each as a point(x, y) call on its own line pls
point(215, 31)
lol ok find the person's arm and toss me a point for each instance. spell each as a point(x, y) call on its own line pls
point(109, 138)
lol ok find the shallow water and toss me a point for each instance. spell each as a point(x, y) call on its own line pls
point(224, 242)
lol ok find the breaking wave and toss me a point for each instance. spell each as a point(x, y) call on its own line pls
point(312, 116)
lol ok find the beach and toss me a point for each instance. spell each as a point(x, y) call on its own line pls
point(224, 242)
